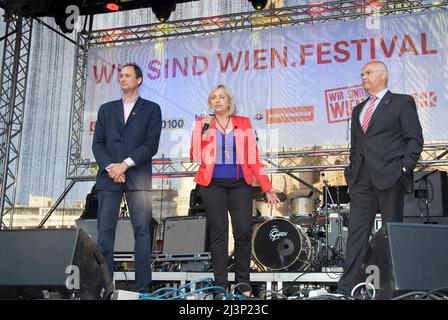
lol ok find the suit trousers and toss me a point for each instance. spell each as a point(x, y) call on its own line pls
point(220, 197)
point(365, 202)
point(140, 211)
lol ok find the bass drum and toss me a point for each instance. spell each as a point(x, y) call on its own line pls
point(277, 244)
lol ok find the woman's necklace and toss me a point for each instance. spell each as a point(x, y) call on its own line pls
point(223, 128)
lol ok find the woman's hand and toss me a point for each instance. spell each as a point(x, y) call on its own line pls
point(208, 120)
point(272, 198)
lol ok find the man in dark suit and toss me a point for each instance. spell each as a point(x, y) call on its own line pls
point(386, 142)
point(126, 137)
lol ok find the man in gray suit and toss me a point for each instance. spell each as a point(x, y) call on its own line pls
point(126, 137)
point(386, 142)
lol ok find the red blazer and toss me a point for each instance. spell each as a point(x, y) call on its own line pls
point(203, 149)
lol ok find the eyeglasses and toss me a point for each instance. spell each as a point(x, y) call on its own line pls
point(368, 73)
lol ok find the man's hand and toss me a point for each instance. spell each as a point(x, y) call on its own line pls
point(120, 179)
point(115, 170)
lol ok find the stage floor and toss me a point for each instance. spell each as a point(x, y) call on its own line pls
point(273, 280)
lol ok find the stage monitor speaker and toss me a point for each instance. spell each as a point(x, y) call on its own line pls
point(124, 233)
point(185, 235)
point(436, 191)
point(407, 257)
point(52, 264)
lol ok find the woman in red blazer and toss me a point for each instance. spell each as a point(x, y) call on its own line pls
point(226, 147)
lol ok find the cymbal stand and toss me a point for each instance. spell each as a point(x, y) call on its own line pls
point(337, 249)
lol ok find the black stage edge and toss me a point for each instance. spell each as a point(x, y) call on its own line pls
point(176, 310)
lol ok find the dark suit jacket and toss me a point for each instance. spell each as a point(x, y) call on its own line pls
point(394, 139)
point(138, 138)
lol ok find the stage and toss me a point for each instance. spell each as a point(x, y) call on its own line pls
point(271, 280)
point(268, 277)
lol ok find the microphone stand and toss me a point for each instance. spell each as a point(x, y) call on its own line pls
point(424, 181)
point(347, 130)
point(327, 219)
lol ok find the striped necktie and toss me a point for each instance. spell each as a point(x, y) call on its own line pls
point(368, 114)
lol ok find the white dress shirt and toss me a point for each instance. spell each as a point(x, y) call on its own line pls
point(127, 107)
point(380, 96)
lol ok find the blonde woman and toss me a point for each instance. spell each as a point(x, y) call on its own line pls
point(226, 147)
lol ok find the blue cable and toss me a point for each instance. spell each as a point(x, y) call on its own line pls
point(172, 291)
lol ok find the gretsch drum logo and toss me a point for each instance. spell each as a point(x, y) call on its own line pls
point(276, 234)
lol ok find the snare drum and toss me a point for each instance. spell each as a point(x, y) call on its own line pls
point(302, 211)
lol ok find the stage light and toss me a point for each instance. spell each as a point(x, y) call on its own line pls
point(112, 6)
point(163, 8)
point(259, 4)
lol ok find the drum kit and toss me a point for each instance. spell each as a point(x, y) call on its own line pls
point(297, 242)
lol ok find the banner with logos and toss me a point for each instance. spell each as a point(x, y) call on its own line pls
point(297, 84)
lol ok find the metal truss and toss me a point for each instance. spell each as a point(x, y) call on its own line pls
point(317, 159)
point(275, 162)
point(290, 161)
point(300, 161)
point(13, 81)
point(434, 155)
point(277, 17)
point(76, 166)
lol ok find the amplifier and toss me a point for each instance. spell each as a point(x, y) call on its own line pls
point(185, 235)
point(435, 189)
point(124, 234)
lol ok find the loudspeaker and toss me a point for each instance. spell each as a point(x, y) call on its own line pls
point(124, 234)
point(436, 191)
point(52, 264)
point(91, 206)
point(407, 257)
point(185, 235)
point(196, 203)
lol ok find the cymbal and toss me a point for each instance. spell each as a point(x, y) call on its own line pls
point(260, 196)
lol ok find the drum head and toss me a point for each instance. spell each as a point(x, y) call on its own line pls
point(278, 244)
